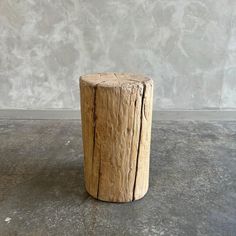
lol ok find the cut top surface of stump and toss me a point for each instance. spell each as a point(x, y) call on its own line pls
point(114, 79)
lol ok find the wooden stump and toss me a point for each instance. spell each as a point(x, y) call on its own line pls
point(116, 114)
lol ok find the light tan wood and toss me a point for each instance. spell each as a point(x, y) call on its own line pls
point(116, 111)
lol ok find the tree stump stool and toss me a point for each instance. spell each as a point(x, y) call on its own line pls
point(116, 111)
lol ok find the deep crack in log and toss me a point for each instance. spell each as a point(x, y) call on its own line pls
point(140, 135)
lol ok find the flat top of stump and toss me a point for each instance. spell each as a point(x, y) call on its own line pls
point(114, 79)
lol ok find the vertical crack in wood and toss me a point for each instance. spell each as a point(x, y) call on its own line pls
point(94, 132)
point(99, 170)
point(94, 137)
point(95, 118)
point(132, 138)
point(139, 141)
point(94, 128)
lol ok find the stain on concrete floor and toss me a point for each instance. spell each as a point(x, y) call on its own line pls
point(192, 182)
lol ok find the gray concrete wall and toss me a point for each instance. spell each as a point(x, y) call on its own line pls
point(187, 46)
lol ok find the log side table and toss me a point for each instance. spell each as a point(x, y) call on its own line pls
point(116, 110)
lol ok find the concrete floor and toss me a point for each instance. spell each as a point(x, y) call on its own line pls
point(192, 182)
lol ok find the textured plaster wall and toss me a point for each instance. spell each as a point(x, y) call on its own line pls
point(187, 46)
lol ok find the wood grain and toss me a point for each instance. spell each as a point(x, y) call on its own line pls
point(116, 124)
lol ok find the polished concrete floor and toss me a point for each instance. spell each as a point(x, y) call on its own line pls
point(192, 182)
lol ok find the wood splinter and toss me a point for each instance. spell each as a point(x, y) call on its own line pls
point(116, 110)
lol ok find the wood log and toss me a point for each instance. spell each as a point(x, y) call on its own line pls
point(116, 111)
